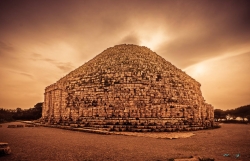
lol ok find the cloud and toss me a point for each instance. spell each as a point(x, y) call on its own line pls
point(225, 80)
point(7, 51)
point(48, 60)
point(36, 55)
point(209, 38)
point(23, 74)
point(65, 67)
point(26, 74)
point(6, 46)
point(131, 38)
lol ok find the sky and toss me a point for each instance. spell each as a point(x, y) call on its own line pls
point(42, 41)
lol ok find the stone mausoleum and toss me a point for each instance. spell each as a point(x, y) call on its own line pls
point(127, 88)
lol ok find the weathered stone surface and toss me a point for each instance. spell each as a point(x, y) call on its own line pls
point(188, 159)
point(195, 158)
point(12, 126)
point(128, 85)
point(4, 149)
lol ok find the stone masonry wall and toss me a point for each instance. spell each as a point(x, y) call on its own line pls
point(127, 82)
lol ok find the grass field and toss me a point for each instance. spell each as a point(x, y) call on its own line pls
point(43, 143)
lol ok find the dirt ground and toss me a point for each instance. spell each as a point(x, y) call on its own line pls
point(48, 144)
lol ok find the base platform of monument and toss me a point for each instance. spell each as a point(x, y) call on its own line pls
point(133, 124)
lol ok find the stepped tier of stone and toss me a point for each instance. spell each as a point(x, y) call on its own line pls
point(131, 84)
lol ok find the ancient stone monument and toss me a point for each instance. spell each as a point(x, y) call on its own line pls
point(127, 87)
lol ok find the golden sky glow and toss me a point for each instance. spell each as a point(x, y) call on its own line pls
point(41, 41)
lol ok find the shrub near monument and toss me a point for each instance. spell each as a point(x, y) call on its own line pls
point(127, 88)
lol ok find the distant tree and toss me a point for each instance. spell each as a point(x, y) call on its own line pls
point(231, 115)
point(5, 115)
point(38, 110)
point(18, 115)
point(243, 111)
point(30, 114)
point(219, 114)
point(18, 110)
point(248, 118)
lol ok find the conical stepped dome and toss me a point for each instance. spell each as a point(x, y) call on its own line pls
point(126, 81)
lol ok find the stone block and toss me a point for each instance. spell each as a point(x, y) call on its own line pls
point(168, 129)
point(19, 125)
point(146, 130)
point(29, 125)
point(4, 149)
point(152, 127)
point(74, 125)
point(12, 126)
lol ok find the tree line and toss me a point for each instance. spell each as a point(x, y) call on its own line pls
point(242, 112)
point(7, 115)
